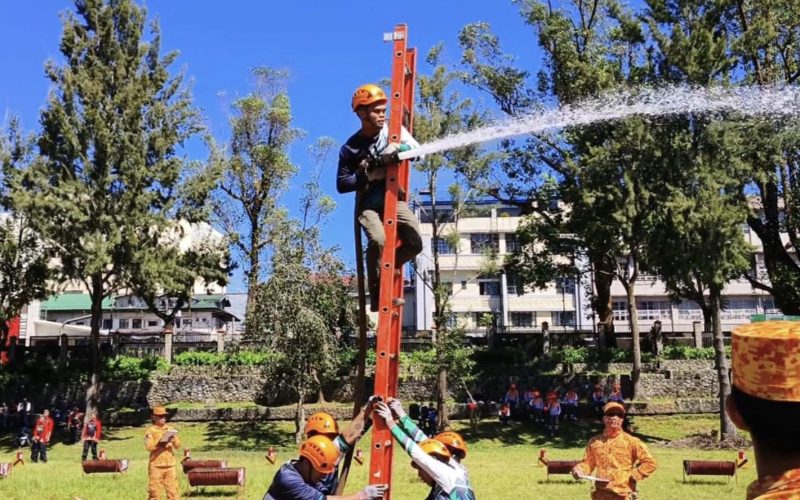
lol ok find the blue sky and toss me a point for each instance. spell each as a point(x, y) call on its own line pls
point(329, 48)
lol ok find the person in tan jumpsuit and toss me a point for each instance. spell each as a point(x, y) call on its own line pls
point(616, 456)
point(161, 472)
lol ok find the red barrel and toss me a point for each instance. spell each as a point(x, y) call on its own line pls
point(709, 468)
point(104, 466)
point(561, 466)
point(202, 464)
point(216, 477)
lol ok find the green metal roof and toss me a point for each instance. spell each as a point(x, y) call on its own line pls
point(83, 302)
point(210, 301)
point(73, 302)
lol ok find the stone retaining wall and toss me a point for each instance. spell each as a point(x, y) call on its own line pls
point(215, 386)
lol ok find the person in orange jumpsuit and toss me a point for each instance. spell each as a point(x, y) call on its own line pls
point(161, 466)
point(615, 456)
point(765, 400)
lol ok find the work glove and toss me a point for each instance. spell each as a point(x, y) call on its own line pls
point(392, 148)
point(373, 491)
point(384, 412)
point(397, 407)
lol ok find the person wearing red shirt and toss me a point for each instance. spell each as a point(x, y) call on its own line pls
point(42, 432)
point(92, 432)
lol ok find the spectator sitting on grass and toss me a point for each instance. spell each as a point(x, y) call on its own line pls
point(598, 399)
point(570, 406)
point(504, 414)
point(616, 394)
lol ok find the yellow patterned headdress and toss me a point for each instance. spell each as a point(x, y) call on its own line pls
point(765, 360)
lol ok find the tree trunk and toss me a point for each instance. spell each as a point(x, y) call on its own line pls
point(633, 321)
point(320, 393)
point(299, 420)
point(708, 318)
point(93, 388)
point(726, 428)
point(252, 279)
point(441, 399)
point(439, 320)
point(603, 276)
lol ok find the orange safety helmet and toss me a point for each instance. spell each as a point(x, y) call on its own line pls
point(321, 452)
point(454, 442)
point(321, 423)
point(366, 95)
point(435, 447)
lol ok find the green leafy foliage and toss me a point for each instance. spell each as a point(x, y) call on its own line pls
point(133, 368)
point(110, 178)
point(238, 358)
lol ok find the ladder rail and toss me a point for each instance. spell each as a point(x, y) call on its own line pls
point(401, 101)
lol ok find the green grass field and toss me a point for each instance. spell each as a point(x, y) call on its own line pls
point(502, 463)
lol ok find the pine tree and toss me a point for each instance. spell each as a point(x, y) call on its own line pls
point(106, 182)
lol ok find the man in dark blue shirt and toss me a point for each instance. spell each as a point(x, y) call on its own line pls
point(295, 479)
point(355, 174)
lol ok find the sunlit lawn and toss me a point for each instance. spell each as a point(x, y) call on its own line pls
point(502, 463)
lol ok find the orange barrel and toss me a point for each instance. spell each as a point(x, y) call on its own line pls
point(709, 468)
point(216, 477)
point(561, 466)
point(101, 466)
point(202, 464)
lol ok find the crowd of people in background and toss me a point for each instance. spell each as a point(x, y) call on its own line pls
point(38, 430)
point(550, 407)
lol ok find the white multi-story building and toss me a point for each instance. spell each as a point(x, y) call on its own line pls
point(68, 310)
point(480, 300)
point(740, 301)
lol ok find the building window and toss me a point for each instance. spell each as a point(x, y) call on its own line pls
point(107, 325)
point(769, 306)
point(514, 284)
point(653, 309)
point(646, 277)
point(186, 324)
point(484, 243)
point(124, 324)
point(564, 318)
point(463, 284)
point(526, 319)
point(152, 322)
point(512, 243)
point(739, 308)
point(443, 247)
point(489, 287)
point(761, 267)
point(620, 310)
point(136, 324)
point(688, 310)
point(565, 285)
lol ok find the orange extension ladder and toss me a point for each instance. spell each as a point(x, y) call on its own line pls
point(387, 350)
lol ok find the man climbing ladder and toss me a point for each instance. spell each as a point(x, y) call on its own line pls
point(361, 169)
point(368, 164)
